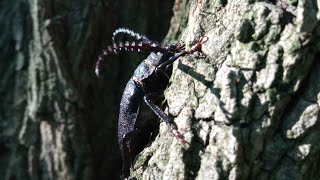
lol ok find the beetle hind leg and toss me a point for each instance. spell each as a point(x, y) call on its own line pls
point(131, 144)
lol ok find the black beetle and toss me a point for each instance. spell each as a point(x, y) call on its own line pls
point(148, 82)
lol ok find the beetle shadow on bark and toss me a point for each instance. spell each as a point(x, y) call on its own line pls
point(190, 71)
point(191, 156)
point(209, 84)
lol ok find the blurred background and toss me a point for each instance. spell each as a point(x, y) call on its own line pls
point(57, 120)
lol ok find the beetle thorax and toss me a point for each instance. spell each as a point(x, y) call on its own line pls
point(154, 59)
point(147, 66)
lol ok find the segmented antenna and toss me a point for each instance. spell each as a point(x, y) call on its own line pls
point(127, 46)
point(137, 36)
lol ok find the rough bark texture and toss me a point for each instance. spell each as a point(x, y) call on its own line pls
point(57, 120)
point(250, 108)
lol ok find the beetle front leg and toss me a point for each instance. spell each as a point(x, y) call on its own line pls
point(162, 67)
point(170, 61)
point(173, 127)
point(196, 47)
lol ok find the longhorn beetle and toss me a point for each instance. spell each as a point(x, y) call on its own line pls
point(149, 81)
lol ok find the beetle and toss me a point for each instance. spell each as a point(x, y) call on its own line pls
point(148, 82)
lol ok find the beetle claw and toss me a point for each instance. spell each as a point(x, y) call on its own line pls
point(179, 137)
point(198, 45)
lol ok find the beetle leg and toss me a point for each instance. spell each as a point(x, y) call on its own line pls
point(173, 127)
point(182, 53)
point(127, 154)
point(170, 60)
point(161, 67)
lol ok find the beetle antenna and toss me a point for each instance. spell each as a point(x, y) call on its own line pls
point(137, 36)
point(127, 46)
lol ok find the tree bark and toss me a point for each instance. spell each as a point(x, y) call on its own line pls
point(250, 108)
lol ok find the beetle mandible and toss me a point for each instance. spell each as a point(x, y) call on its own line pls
point(149, 80)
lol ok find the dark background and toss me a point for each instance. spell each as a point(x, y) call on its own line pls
point(76, 31)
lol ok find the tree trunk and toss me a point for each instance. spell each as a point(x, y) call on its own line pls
point(250, 107)
point(57, 120)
